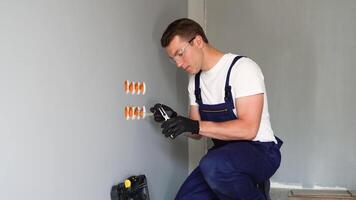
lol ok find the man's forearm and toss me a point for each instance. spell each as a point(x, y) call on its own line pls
point(230, 130)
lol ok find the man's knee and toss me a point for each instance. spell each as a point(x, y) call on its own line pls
point(226, 181)
point(215, 168)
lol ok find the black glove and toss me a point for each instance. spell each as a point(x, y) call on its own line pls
point(157, 115)
point(178, 125)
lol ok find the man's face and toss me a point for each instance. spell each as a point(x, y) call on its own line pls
point(183, 53)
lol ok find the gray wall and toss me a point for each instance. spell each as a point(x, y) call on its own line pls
point(306, 50)
point(62, 69)
point(196, 148)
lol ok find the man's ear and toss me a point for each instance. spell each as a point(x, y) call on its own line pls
point(199, 42)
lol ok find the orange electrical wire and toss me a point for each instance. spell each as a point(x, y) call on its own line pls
point(136, 111)
point(134, 88)
point(142, 112)
point(126, 86)
point(142, 87)
point(137, 84)
point(126, 112)
point(131, 112)
point(131, 87)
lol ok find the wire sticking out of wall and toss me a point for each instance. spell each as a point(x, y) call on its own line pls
point(132, 87)
point(135, 112)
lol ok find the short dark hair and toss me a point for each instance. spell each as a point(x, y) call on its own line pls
point(185, 28)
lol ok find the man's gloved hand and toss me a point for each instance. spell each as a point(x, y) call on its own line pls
point(178, 125)
point(157, 115)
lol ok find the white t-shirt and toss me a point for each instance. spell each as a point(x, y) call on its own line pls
point(246, 79)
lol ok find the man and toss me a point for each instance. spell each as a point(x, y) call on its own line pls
point(228, 104)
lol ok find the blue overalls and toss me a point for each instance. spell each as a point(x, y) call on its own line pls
point(230, 169)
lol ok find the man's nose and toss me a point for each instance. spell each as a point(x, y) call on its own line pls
point(179, 63)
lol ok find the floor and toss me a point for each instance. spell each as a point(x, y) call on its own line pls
point(279, 194)
point(282, 194)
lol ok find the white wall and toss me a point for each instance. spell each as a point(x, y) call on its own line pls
point(306, 50)
point(62, 69)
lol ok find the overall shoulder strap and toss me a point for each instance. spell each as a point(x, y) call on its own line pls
point(228, 94)
point(197, 90)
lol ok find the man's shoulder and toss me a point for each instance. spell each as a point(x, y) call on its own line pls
point(246, 68)
point(246, 63)
point(242, 60)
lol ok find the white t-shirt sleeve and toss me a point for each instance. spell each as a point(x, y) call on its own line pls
point(246, 78)
point(191, 89)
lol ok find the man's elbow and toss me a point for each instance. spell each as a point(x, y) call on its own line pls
point(251, 133)
point(195, 136)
